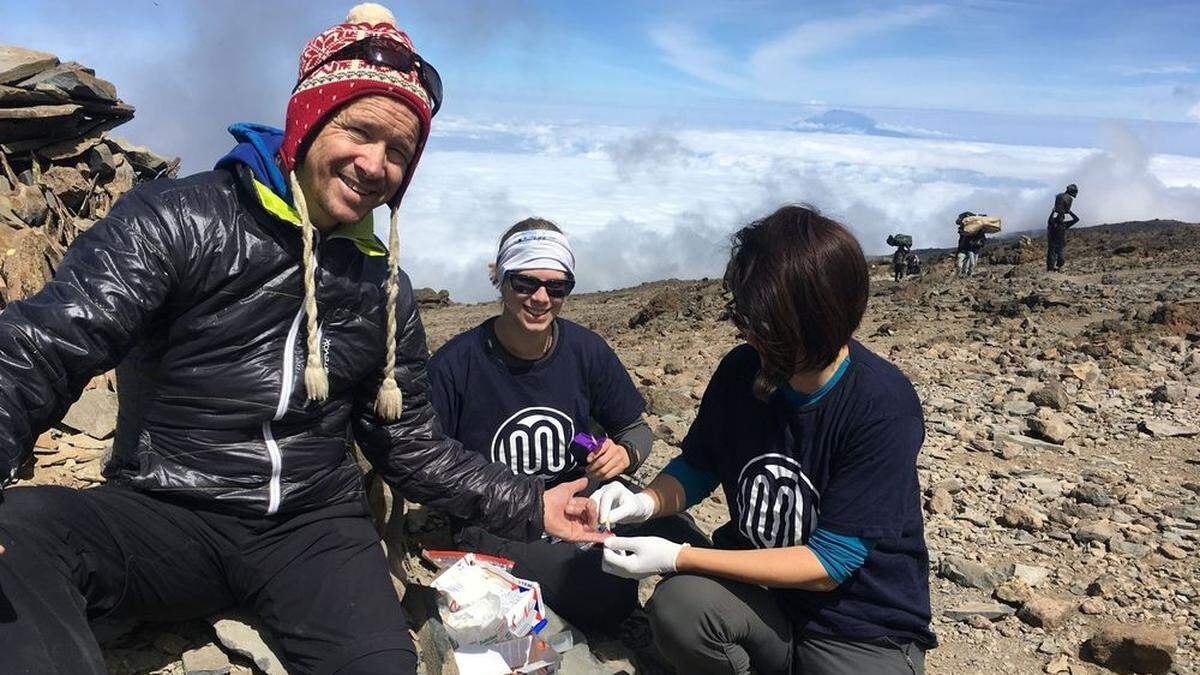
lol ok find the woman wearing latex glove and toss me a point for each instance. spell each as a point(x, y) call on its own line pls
point(822, 567)
point(519, 388)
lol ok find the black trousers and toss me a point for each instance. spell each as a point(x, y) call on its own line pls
point(318, 581)
point(1056, 254)
point(572, 582)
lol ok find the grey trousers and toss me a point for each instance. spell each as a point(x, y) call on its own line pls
point(966, 263)
point(707, 625)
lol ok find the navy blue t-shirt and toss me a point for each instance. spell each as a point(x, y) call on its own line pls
point(845, 463)
point(527, 419)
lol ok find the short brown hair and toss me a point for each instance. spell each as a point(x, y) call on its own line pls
point(799, 286)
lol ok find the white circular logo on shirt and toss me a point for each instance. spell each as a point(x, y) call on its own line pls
point(777, 503)
point(535, 440)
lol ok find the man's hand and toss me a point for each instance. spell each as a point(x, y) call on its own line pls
point(608, 462)
point(569, 517)
point(639, 557)
point(617, 505)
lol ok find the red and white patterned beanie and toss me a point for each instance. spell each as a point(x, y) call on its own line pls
point(320, 93)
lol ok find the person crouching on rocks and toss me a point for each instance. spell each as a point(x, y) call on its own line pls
point(517, 388)
point(822, 567)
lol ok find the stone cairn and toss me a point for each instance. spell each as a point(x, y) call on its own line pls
point(59, 168)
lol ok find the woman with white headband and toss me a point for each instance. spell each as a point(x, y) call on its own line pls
point(548, 398)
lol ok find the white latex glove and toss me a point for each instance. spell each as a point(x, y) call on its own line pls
point(639, 557)
point(619, 505)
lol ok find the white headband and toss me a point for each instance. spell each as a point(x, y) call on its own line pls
point(535, 249)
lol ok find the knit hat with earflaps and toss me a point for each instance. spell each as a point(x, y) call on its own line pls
point(322, 88)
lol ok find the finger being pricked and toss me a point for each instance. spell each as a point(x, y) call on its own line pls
point(583, 509)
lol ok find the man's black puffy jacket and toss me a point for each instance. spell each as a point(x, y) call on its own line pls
point(194, 288)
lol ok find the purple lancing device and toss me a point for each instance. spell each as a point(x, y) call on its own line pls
point(588, 441)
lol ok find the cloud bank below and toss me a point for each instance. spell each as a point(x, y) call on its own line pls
point(642, 204)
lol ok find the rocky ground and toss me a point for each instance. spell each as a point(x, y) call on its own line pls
point(1060, 474)
point(1061, 468)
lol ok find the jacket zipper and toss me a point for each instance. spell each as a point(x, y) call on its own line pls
point(286, 387)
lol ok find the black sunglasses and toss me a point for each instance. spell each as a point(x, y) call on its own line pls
point(527, 285)
point(383, 52)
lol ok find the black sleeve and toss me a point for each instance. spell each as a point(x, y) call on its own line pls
point(111, 281)
point(414, 455)
point(637, 439)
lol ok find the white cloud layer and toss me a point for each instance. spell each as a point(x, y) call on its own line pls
point(652, 203)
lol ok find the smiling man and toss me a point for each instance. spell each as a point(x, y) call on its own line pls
point(259, 330)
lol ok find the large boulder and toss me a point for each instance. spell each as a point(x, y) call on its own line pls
point(18, 63)
point(1132, 648)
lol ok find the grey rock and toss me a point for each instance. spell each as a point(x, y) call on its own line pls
point(940, 501)
point(1167, 429)
point(1045, 486)
point(1019, 408)
point(18, 63)
point(1026, 442)
point(1032, 575)
point(75, 81)
point(579, 659)
point(1022, 517)
point(969, 573)
point(988, 610)
point(1171, 551)
point(1094, 530)
point(15, 96)
point(38, 112)
point(207, 660)
point(144, 160)
point(1169, 393)
point(1052, 427)
point(1092, 494)
point(1051, 396)
point(1104, 586)
point(101, 161)
point(95, 413)
point(242, 638)
point(1013, 592)
point(1129, 548)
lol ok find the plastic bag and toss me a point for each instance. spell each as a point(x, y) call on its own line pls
point(482, 603)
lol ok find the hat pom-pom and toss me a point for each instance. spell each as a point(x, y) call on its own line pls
point(389, 402)
point(370, 13)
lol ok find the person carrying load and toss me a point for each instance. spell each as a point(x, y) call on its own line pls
point(1057, 226)
point(972, 233)
point(903, 244)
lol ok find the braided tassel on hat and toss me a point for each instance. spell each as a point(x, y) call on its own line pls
point(390, 401)
point(316, 379)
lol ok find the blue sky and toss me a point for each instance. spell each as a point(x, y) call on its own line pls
point(650, 131)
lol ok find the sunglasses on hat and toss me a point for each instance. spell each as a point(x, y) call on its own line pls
point(527, 285)
point(391, 54)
